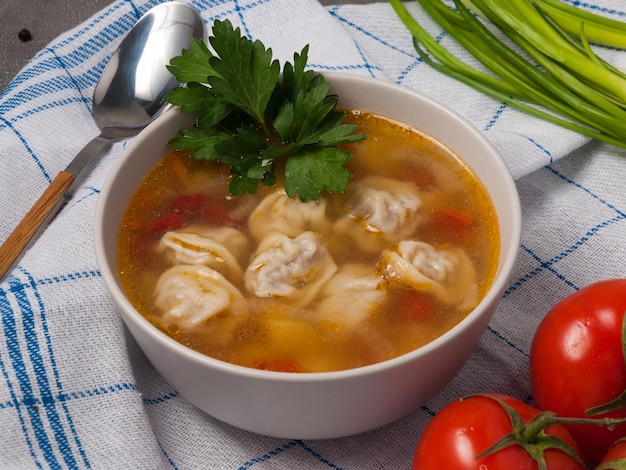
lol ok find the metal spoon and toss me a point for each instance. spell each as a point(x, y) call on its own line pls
point(128, 96)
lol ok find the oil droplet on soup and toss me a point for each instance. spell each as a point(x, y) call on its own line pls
point(273, 283)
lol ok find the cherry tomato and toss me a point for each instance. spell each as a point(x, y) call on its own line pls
point(467, 427)
point(576, 361)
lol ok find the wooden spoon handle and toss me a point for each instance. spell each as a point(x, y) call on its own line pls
point(45, 206)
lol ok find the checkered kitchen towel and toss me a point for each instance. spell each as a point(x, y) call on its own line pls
point(76, 392)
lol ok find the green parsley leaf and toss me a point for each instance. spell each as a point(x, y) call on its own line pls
point(245, 75)
point(194, 97)
point(243, 150)
point(339, 135)
point(201, 142)
point(215, 113)
point(251, 120)
point(309, 172)
point(296, 77)
point(241, 184)
point(193, 63)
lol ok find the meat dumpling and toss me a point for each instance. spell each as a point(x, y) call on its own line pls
point(220, 248)
point(446, 273)
point(187, 295)
point(380, 211)
point(291, 268)
point(290, 216)
point(352, 294)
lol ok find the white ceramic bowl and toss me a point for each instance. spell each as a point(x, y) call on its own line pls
point(329, 404)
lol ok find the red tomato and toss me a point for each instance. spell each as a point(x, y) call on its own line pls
point(467, 427)
point(457, 220)
point(162, 225)
point(415, 305)
point(449, 223)
point(615, 458)
point(218, 213)
point(576, 361)
point(423, 179)
point(189, 203)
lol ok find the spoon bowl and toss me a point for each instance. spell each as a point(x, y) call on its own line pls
point(128, 96)
point(132, 86)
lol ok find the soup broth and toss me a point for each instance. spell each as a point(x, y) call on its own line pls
point(274, 283)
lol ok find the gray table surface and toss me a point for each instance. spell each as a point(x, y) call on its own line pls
point(45, 20)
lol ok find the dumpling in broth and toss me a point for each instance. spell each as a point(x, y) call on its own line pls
point(280, 213)
point(380, 211)
point(187, 295)
point(291, 268)
point(220, 248)
point(352, 294)
point(446, 273)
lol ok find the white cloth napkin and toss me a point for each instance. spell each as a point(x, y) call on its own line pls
point(75, 390)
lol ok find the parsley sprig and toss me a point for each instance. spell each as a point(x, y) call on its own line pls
point(255, 122)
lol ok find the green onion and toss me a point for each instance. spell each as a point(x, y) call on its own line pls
point(598, 29)
point(556, 76)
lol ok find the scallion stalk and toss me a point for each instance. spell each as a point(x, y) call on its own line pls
point(521, 19)
point(556, 77)
point(534, 84)
point(521, 105)
point(598, 29)
point(440, 52)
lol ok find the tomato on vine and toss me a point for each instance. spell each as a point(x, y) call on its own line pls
point(495, 432)
point(577, 363)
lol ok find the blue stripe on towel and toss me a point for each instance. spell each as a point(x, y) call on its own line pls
point(543, 265)
point(55, 59)
point(57, 381)
point(8, 323)
point(55, 410)
point(599, 9)
point(586, 190)
point(100, 391)
point(26, 146)
point(18, 364)
point(335, 12)
point(294, 444)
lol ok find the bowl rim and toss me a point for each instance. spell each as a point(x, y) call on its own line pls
point(129, 313)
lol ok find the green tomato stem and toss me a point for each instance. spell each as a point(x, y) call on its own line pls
point(531, 436)
point(617, 464)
